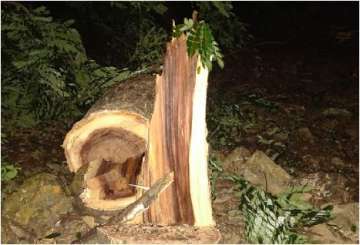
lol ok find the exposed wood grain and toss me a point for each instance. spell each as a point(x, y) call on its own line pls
point(170, 131)
point(159, 121)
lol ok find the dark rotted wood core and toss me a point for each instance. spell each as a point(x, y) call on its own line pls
point(112, 144)
point(121, 154)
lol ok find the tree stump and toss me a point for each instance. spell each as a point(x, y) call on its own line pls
point(140, 131)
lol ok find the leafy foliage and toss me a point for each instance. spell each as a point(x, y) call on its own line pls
point(149, 37)
point(275, 220)
point(215, 171)
point(8, 171)
point(149, 48)
point(46, 74)
point(230, 119)
point(200, 41)
point(226, 26)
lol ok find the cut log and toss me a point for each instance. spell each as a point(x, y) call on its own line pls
point(141, 130)
point(112, 135)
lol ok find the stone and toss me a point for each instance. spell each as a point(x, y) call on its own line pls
point(222, 198)
point(342, 229)
point(321, 233)
point(261, 171)
point(14, 234)
point(38, 204)
point(325, 187)
point(70, 229)
point(232, 163)
point(232, 238)
point(346, 217)
point(306, 135)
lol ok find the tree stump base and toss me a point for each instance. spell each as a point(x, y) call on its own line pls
point(155, 234)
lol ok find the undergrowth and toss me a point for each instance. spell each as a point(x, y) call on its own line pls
point(46, 74)
point(270, 219)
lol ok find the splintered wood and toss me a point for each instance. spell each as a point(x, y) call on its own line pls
point(141, 130)
point(173, 144)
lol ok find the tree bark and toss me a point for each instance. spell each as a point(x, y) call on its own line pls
point(140, 131)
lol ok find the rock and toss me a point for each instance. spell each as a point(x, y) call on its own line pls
point(234, 212)
point(343, 229)
point(346, 216)
point(235, 159)
point(222, 198)
point(69, 229)
point(323, 234)
point(217, 154)
point(38, 203)
point(337, 112)
point(232, 238)
point(261, 171)
point(325, 187)
point(337, 162)
point(235, 217)
point(306, 135)
point(15, 234)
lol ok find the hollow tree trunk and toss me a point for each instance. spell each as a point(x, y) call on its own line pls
point(141, 130)
point(111, 141)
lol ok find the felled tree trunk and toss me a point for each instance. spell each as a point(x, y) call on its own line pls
point(142, 130)
point(110, 142)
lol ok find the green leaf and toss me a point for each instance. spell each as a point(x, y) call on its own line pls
point(42, 19)
point(160, 8)
point(200, 41)
point(40, 10)
point(221, 7)
point(69, 23)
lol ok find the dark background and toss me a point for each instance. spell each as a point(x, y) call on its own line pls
point(297, 23)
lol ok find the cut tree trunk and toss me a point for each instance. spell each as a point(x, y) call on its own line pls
point(111, 141)
point(140, 131)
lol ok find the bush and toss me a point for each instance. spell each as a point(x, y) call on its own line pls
point(229, 31)
point(45, 71)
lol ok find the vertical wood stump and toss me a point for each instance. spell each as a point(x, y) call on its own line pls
point(141, 130)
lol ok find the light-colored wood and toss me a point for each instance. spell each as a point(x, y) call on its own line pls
point(198, 158)
point(115, 129)
point(166, 128)
point(169, 136)
point(128, 122)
